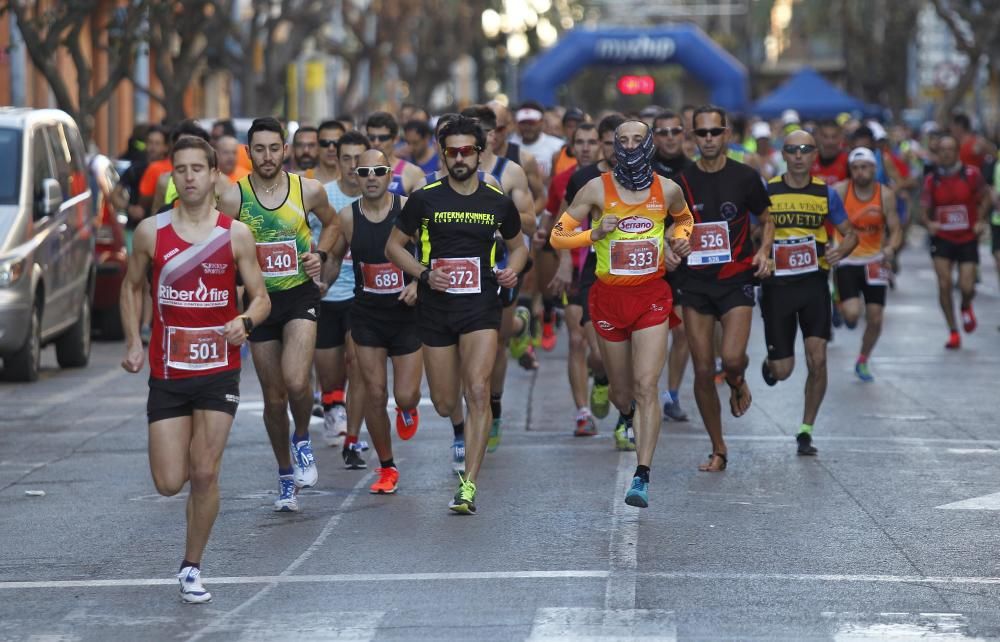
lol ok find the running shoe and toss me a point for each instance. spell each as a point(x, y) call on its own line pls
point(638, 494)
point(192, 592)
point(335, 426)
point(464, 501)
point(520, 342)
point(494, 441)
point(388, 480)
point(863, 371)
point(969, 323)
point(585, 426)
point(805, 444)
point(528, 360)
point(624, 435)
point(304, 463)
point(673, 411)
point(317, 410)
point(352, 457)
point(287, 502)
point(549, 337)
point(765, 372)
point(407, 422)
point(458, 455)
point(954, 341)
point(599, 403)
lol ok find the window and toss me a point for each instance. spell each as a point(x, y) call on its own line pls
point(10, 166)
point(40, 166)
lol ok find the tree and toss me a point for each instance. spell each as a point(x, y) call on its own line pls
point(976, 30)
point(79, 30)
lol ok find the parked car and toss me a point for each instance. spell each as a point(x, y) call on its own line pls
point(47, 269)
point(110, 254)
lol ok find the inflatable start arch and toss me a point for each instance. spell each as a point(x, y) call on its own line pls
point(684, 45)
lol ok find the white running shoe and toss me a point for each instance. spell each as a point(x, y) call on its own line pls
point(304, 464)
point(192, 592)
point(335, 426)
point(287, 502)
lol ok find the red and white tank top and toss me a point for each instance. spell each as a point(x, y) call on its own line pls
point(194, 296)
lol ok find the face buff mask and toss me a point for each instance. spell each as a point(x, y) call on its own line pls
point(634, 169)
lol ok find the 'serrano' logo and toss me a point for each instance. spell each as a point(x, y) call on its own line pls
point(635, 224)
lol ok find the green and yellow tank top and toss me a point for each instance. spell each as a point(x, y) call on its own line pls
point(632, 253)
point(282, 234)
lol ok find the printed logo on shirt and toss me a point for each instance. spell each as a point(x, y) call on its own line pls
point(635, 224)
point(214, 268)
point(729, 211)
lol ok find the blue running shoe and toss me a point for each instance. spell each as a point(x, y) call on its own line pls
point(304, 463)
point(287, 502)
point(637, 493)
point(863, 371)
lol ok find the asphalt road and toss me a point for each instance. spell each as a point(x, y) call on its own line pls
point(890, 533)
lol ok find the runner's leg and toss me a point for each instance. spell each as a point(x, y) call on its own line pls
point(357, 395)
point(679, 355)
point(617, 358)
point(442, 367)
point(299, 342)
point(477, 350)
point(267, 361)
point(873, 327)
point(407, 371)
point(576, 364)
point(943, 269)
point(649, 355)
point(816, 380)
point(701, 339)
point(967, 282)
point(169, 448)
point(735, 336)
point(371, 364)
point(208, 440)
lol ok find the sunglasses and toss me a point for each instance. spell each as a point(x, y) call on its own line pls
point(464, 150)
point(379, 138)
point(714, 131)
point(378, 170)
point(327, 142)
point(669, 131)
point(802, 149)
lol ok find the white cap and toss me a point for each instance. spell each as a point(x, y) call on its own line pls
point(861, 155)
point(789, 116)
point(877, 130)
point(528, 114)
point(930, 127)
point(760, 130)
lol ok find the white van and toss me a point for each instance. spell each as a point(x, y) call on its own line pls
point(46, 241)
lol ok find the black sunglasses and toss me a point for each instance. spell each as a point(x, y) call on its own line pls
point(327, 142)
point(379, 138)
point(714, 131)
point(378, 170)
point(802, 149)
point(669, 131)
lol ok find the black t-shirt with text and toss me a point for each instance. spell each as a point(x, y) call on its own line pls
point(671, 167)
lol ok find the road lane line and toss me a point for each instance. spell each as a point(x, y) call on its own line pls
point(619, 594)
point(97, 383)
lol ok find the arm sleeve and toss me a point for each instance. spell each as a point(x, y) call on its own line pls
point(837, 213)
point(567, 235)
point(683, 223)
point(510, 226)
point(409, 217)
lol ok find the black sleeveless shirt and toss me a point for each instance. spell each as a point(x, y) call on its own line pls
point(377, 282)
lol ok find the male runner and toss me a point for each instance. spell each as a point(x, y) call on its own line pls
point(631, 303)
point(273, 203)
point(956, 202)
point(798, 293)
point(328, 166)
point(383, 323)
point(419, 146)
point(871, 209)
point(669, 161)
point(305, 151)
point(383, 130)
point(502, 147)
point(226, 149)
point(193, 254)
point(459, 308)
point(715, 284)
point(831, 161)
point(532, 139)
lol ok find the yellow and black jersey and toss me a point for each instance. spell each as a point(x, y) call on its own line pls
point(800, 214)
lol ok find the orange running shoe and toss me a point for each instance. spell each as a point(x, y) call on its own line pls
point(954, 341)
point(969, 320)
point(407, 422)
point(388, 479)
point(548, 337)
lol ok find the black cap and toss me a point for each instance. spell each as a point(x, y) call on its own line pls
point(574, 113)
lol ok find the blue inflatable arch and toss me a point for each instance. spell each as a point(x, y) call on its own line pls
point(684, 45)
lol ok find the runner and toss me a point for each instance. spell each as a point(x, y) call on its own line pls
point(382, 131)
point(273, 204)
point(798, 294)
point(194, 356)
point(505, 149)
point(631, 303)
point(669, 162)
point(871, 208)
point(956, 202)
point(459, 309)
point(382, 320)
point(530, 137)
point(226, 150)
point(831, 161)
point(417, 135)
point(328, 167)
point(715, 284)
point(564, 160)
point(305, 151)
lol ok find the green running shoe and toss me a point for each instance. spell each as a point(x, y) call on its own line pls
point(464, 501)
point(624, 435)
point(494, 441)
point(863, 371)
point(599, 404)
point(520, 342)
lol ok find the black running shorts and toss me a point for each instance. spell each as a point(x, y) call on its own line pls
point(171, 398)
point(803, 303)
point(300, 302)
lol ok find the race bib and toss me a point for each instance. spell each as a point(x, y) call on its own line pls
point(953, 218)
point(795, 256)
point(279, 258)
point(381, 278)
point(196, 348)
point(465, 274)
point(710, 244)
point(876, 273)
point(635, 257)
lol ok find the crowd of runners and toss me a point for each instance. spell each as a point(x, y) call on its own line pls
point(449, 246)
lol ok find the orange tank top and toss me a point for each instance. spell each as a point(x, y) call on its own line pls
point(632, 253)
point(869, 224)
point(564, 162)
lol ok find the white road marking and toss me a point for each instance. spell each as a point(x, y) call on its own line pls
point(620, 591)
point(851, 627)
point(572, 624)
point(74, 392)
point(255, 405)
point(984, 502)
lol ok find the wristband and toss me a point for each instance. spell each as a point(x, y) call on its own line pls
point(247, 323)
point(425, 276)
point(322, 255)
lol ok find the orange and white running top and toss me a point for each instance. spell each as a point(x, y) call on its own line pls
point(868, 221)
point(632, 253)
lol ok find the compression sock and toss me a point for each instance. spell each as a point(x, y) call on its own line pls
point(806, 428)
point(495, 407)
point(333, 398)
point(459, 429)
point(186, 563)
point(388, 463)
point(642, 472)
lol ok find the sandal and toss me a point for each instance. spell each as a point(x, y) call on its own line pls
point(710, 467)
point(737, 394)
